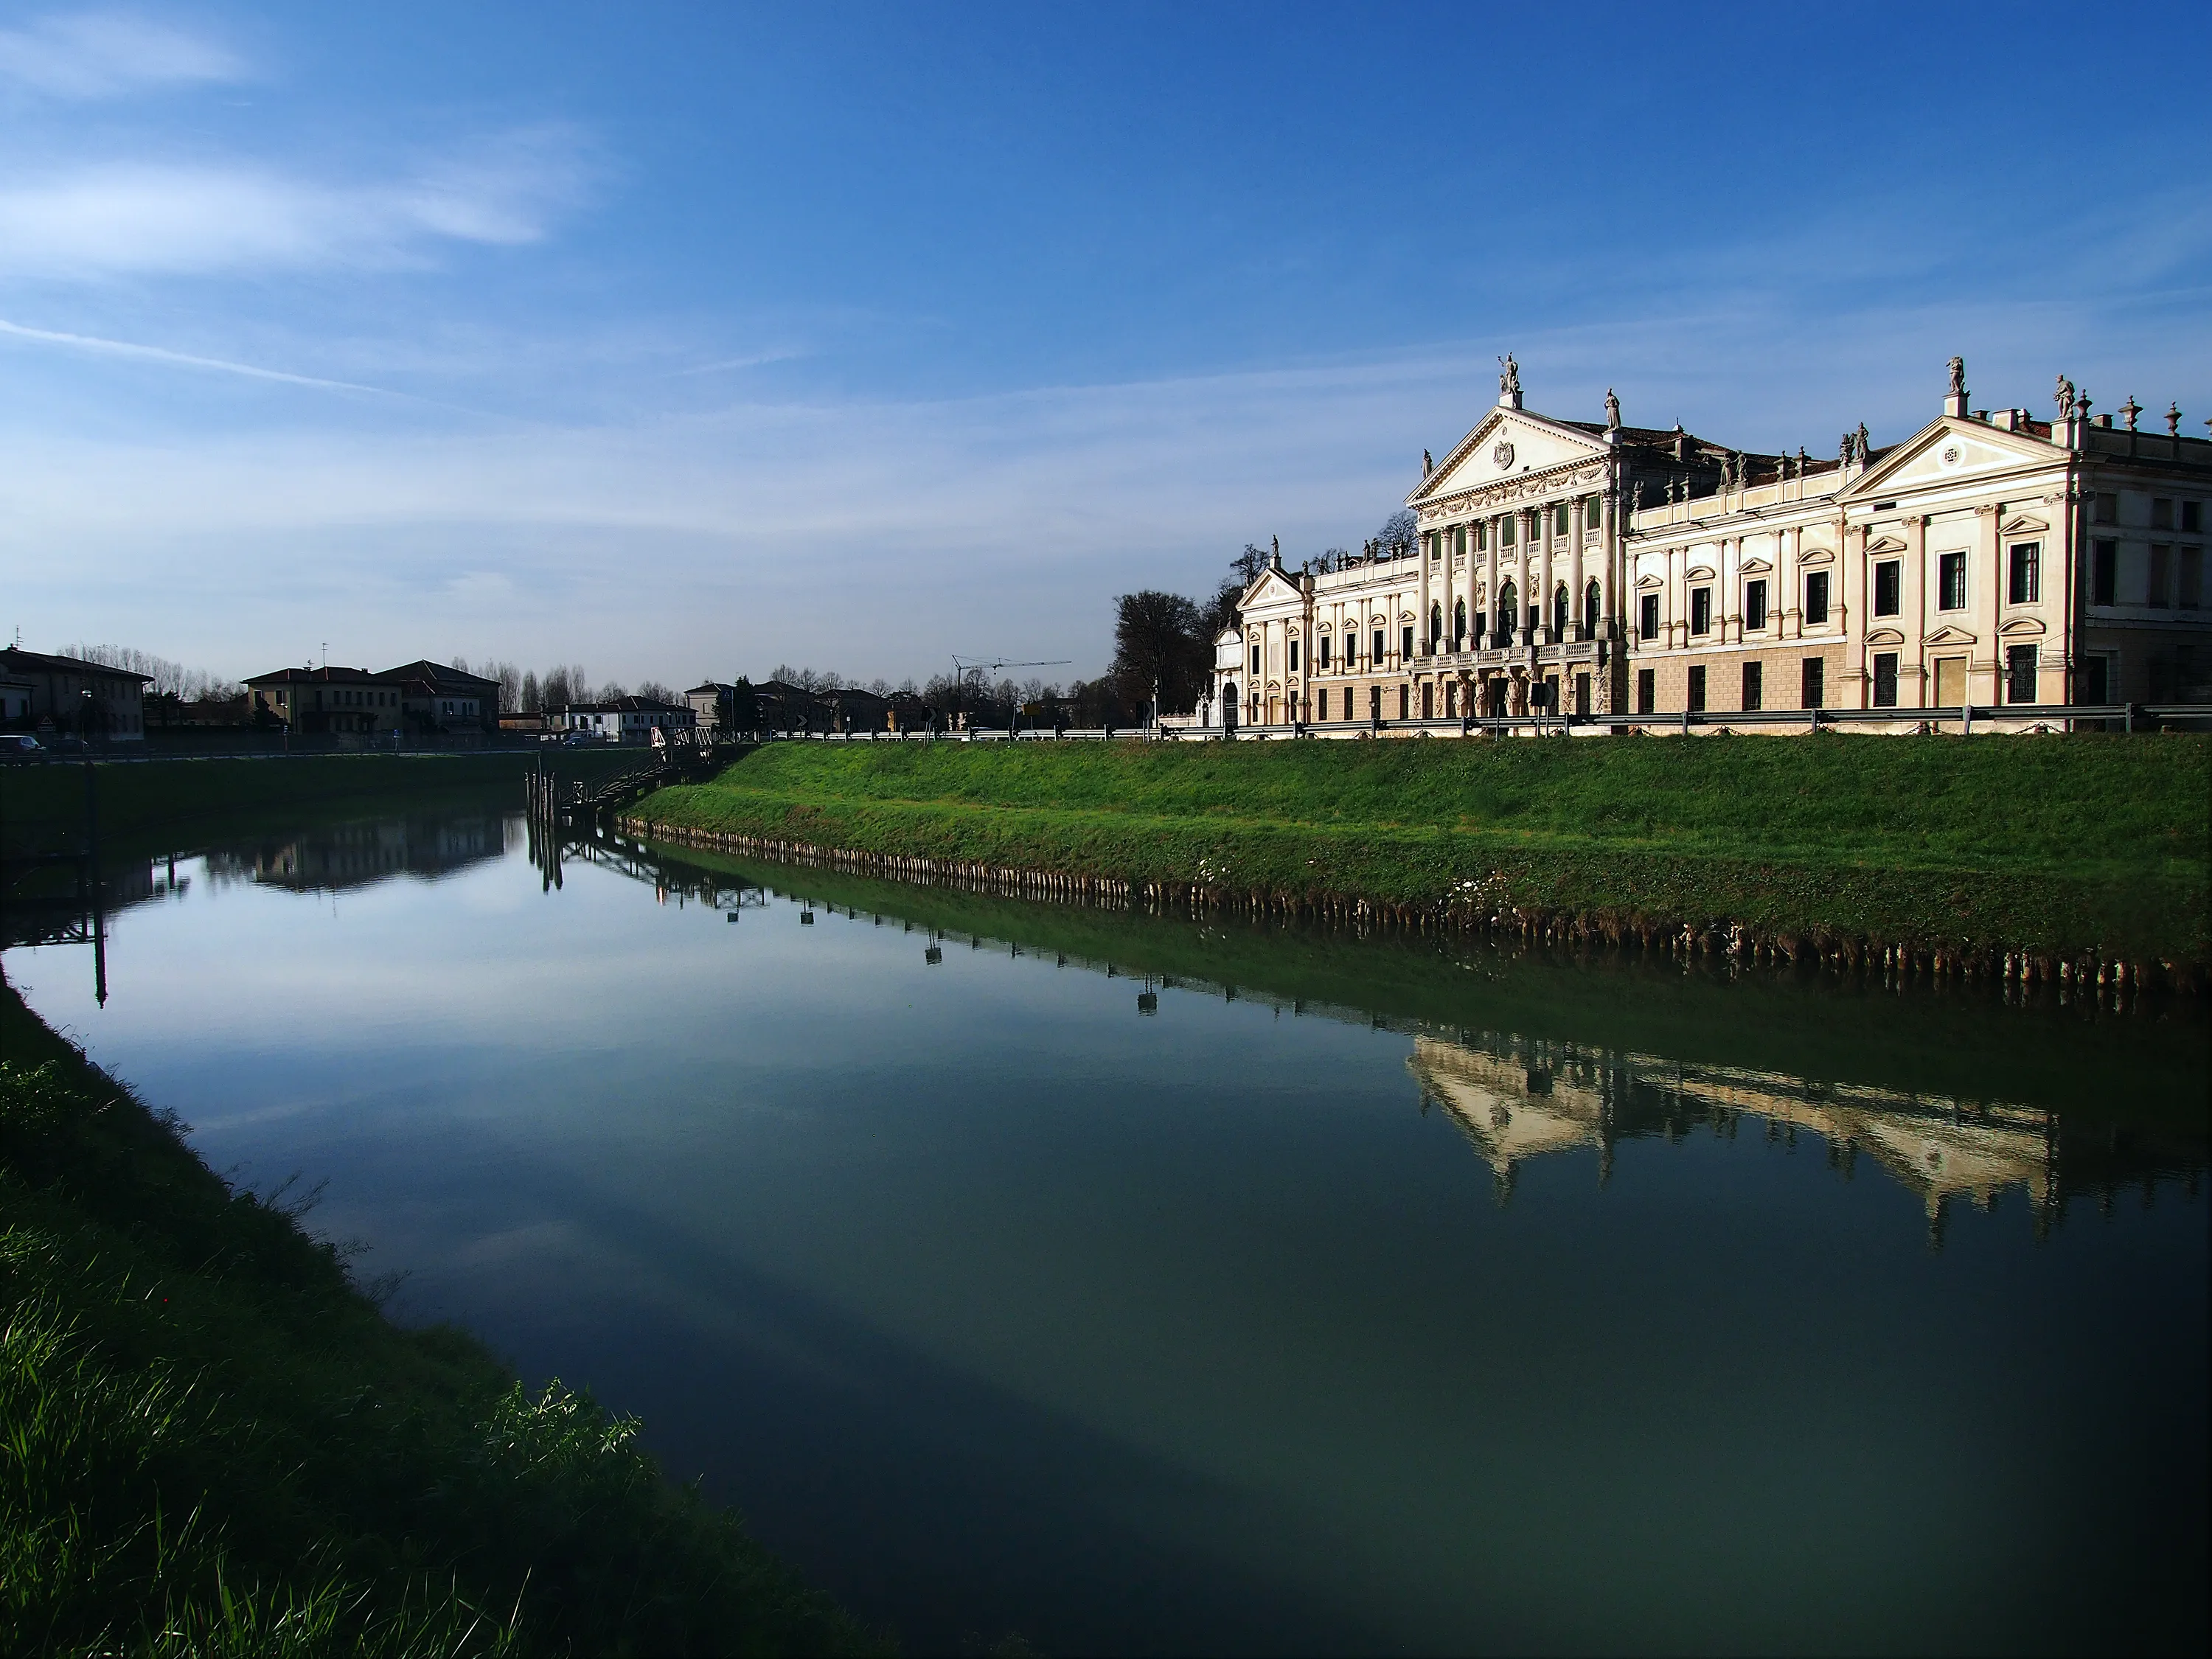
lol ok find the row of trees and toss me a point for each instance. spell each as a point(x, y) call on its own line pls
point(1163, 642)
point(171, 681)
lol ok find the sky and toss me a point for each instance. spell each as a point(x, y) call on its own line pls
point(679, 342)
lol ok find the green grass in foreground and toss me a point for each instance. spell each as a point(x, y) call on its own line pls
point(215, 1444)
point(2045, 844)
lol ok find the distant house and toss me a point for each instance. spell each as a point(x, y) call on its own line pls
point(787, 707)
point(65, 694)
point(321, 702)
point(442, 699)
point(625, 719)
point(852, 709)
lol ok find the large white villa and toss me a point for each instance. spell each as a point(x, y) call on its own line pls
point(1592, 568)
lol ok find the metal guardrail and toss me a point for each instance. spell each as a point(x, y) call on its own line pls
point(2000, 717)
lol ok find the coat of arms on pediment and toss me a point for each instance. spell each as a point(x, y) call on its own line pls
point(1950, 447)
point(1505, 444)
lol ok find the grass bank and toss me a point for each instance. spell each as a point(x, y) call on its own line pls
point(216, 1444)
point(2050, 846)
point(183, 802)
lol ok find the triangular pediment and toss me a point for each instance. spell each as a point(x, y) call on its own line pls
point(2024, 526)
point(1505, 444)
point(1273, 587)
point(1886, 544)
point(1950, 634)
point(1953, 448)
point(1755, 566)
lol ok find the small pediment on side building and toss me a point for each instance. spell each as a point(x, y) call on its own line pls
point(1884, 636)
point(1886, 544)
point(1816, 556)
point(1647, 583)
point(2025, 525)
point(1952, 448)
point(1950, 634)
point(1755, 566)
point(2022, 627)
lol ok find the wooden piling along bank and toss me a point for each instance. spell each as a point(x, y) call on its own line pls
point(1904, 961)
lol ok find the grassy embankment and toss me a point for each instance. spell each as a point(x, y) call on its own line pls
point(214, 1442)
point(2056, 847)
point(174, 804)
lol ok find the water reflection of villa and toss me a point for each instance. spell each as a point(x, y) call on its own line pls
point(1516, 1100)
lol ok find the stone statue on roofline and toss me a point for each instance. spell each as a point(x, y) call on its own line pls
point(1508, 377)
point(1428, 463)
point(1860, 437)
point(1957, 377)
point(1611, 411)
point(2063, 397)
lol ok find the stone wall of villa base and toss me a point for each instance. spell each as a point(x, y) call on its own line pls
point(2113, 982)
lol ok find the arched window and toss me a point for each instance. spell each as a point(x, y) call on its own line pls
point(1507, 599)
point(1560, 611)
point(1590, 609)
point(1459, 625)
point(1436, 625)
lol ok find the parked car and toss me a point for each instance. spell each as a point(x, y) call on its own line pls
point(19, 746)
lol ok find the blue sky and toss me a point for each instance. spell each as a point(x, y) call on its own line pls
point(680, 341)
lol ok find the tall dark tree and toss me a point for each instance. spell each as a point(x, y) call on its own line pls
point(1401, 532)
point(1163, 640)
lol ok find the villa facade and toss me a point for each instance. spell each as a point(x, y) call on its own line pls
point(1595, 570)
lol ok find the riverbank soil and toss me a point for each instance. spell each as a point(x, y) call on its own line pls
point(217, 1443)
point(175, 804)
point(2048, 847)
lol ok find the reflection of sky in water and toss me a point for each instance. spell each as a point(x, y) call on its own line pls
point(995, 1304)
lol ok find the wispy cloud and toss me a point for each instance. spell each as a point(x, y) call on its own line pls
point(107, 54)
point(131, 218)
point(93, 344)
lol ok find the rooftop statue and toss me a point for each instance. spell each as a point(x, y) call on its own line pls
point(2063, 396)
point(1957, 377)
point(1611, 411)
point(1508, 377)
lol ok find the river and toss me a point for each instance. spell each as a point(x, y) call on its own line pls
point(1140, 1284)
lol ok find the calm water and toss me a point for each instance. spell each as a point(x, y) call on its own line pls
point(1134, 1283)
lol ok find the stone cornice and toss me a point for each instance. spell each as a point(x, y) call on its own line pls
point(1519, 486)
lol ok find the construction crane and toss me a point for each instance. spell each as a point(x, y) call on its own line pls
point(963, 666)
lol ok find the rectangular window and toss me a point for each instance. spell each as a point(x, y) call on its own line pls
point(1294, 656)
point(2192, 579)
point(1885, 679)
point(2095, 683)
point(1379, 648)
point(2105, 573)
point(2192, 516)
point(1406, 644)
point(1755, 686)
point(1481, 534)
point(1816, 599)
point(2023, 577)
point(1405, 702)
point(1697, 691)
point(1701, 610)
point(1591, 509)
point(1324, 650)
point(1888, 588)
point(2105, 508)
point(1647, 617)
point(1320, 706)
point(1950, 582)
point(1812, 683)
point(2161, 513)
point(1754, 605)
point(1255, 658)
point(1560, 521)
point(2161, 569)
point(1647, 691)
point(1506, 529)
point(1582, 696)
point(2020, 673)
point(1459, 542)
